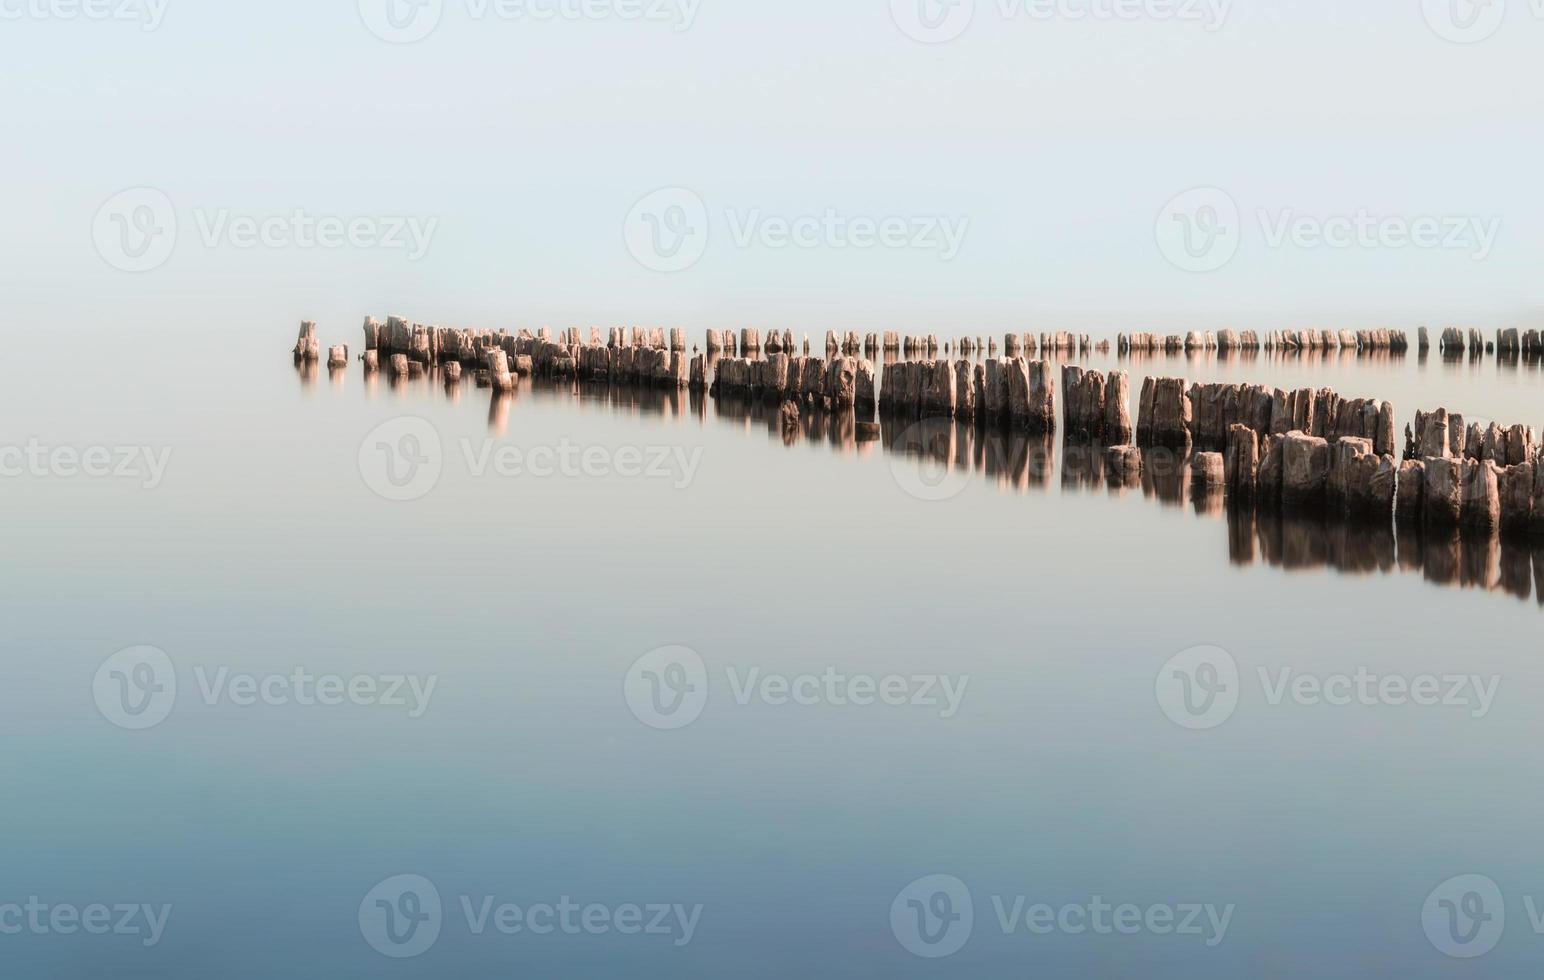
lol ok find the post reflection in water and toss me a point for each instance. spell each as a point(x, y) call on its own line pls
point(1019, 462)
point(1462, 558)
point(305, 370)
point(498, 412)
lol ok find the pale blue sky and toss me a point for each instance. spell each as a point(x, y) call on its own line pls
point(1058, 140)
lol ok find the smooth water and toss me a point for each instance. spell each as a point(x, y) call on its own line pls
point(1046, 603)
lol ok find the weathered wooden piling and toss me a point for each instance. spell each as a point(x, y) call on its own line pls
point(1410, 498)
point(1443, 491)
point(1517, 492)
point(1164, 413)
point(1359, 480)
point(498, 371)
point(1242, 461)
point(1096, 405)
point(1208, 470)
point(1305, 466)
point(841, 383)
point(938, 389)
point(964, 390)
point(1440, 433)
point(307, 347)
point(864, 390)
point(372, 333)
point(1083, 401)
point(1031, 395)
point(1117, 408)
point(1123, 465)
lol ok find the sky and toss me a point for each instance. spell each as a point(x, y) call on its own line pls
point(974, 166)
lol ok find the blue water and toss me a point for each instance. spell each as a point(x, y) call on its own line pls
point(527, 777)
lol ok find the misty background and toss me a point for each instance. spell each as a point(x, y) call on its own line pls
point(528, 141)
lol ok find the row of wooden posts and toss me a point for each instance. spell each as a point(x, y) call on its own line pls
point(427, 344)
point(1304, 448)
point(1452, 341)
point(1282, 340)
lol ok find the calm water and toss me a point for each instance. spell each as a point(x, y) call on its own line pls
point(1048, 602)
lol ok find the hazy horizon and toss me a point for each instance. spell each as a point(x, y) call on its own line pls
point(1055, 142)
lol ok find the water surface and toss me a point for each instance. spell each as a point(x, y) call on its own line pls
point(528, 778)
